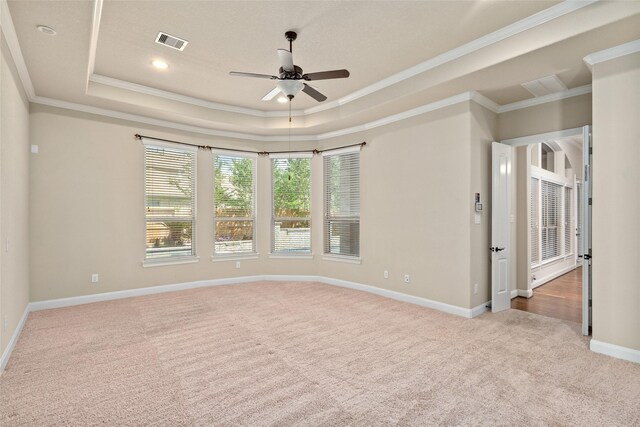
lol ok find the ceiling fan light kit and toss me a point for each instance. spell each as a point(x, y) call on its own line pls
point(290, 76)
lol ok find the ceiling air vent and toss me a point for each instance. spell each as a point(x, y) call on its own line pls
point(171, 41)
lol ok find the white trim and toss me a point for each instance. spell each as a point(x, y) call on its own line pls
point(290, 256)
point(234, 153)
point(6, 22)
point(234, 257)
point(540, 282)
point(342, 258)
point(198, 102)
point(514, 293)
point(128, 293)
point(162, 123)
point(427, 108)
point(612, 53)
point(487, 103)
point(161, 262)
point(93, 41)
point(108, 296)
point(542, 137)
point(170, 145)
point(552, 97)
point(291, 155)
point(528, 293)
point(613, 350)
point(14, 338)
point(337, 151)
point(479, 309)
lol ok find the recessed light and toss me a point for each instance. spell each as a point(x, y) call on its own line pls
point(160, 64)
point(282, 99)
point(46, 30)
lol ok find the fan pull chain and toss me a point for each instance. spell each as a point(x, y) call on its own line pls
point(289, 135)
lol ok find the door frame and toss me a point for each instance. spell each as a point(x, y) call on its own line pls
point(535, 139)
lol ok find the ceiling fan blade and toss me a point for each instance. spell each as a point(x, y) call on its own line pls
point(313, 93)
point(325, 75)
point(260, 76)
point(286, 59)
point(272, 94)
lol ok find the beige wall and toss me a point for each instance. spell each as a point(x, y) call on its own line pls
point(484, 124)
point(564, 114)
point(616, 201)
point(14, 208)
point(417, 183)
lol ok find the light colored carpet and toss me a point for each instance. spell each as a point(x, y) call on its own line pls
point(284, 353)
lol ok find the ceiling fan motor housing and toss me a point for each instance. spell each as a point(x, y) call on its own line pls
point(287, 75)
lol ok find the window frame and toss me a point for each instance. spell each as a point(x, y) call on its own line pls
point(288, 253)
point(253, 253)
point(328, 219)
point(171, 259)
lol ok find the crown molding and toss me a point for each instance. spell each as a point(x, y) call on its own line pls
point(463, 97)
point(11, 37)
point(612, 53)
point(147, 90)
point(513, 29)
point(164, 123)
point(93, 42)
point(570, 93)
point(471, 96)
point(542, 137)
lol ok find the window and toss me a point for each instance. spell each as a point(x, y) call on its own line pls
point(169, 200)
point(342, 202)
point(551, 219)
point(547, 160)
point(568, 230)
point(535, 220)
point(291, 213)
point(234, 203)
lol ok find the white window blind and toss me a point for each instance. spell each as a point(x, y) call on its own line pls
point(551, 197)
point(535, 221)
point(342, 203)
point(568, 229)
point(169, 200)
point(291, 203)
point(234, 203)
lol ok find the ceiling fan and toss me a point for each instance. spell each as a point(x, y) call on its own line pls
point(290, 77)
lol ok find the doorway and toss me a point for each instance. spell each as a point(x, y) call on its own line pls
point(551, 183)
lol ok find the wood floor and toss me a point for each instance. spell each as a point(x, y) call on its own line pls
point(560, 298)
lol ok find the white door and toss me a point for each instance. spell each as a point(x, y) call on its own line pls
point(500, 203)
point(586, 230)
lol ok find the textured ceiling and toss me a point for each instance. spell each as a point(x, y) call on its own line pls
point(373, 39)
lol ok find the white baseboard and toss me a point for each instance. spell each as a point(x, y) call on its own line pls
point(14, 339)
point(616, 351)
point(550, 277)
point(528, 293)
point(128, 293)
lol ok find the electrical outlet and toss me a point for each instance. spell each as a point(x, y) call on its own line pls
point(94, 278)
point(475, 288)
point(237, 264)
point(386, 274)
point(407, 278)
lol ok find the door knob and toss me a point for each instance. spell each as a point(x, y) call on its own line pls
point(496, 249)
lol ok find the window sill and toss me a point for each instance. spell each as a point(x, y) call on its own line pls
point(345, 259)
point(163, 262)
point(291, 256)
point(234, 257)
